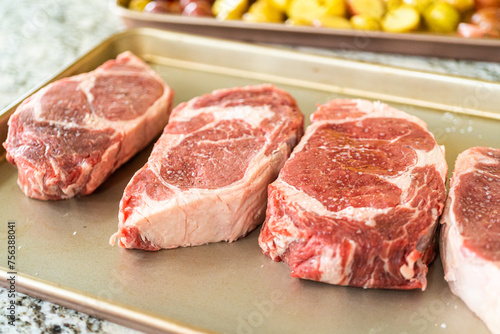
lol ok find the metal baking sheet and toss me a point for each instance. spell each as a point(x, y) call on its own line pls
point(62, 246)
point(417, 44)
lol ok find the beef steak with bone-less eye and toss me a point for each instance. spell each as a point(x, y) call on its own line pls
point(357, 203)
point(71, 135)
point(206, 179)
point(470, 233)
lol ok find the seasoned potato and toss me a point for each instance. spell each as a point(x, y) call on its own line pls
point(138, 5)
point(487, 3)
point(373, 8)
point(303, 11)
point(489, 20)
point(392, 4)
point(470, 30)
point(330, 21)
point(310, 10)
point(468, 18)
point(334, 7)
point(462, 6)
point(163, 6)
point(405, 18)
point(280, 4)
point(229, 9)
point(420, 5)
point(441, 17)
point(263, 11)
point(197, 8)
point(297, 22)
point(365, 22)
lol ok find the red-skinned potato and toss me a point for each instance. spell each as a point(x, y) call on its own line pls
point(469, 30)
point(487, 3)
point(171, 7)
point(184, 3)
point(488, 19)
point(198, 8)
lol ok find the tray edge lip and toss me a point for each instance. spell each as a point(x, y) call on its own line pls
point(296, 53)
point(290, 52)
point(83, 302)
point(138, 31)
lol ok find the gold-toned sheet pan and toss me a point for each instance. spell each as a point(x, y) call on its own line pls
point(417, 44)
point(62, 246)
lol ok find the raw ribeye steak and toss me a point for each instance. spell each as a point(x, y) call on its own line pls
point(470, 233)
point(206, 179)
point(357, 203)
point(70, 136)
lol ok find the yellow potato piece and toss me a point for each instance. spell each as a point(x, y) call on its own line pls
point(304, 11)
point(365, 22)
point(402, 19)
point(335, 7)
point(310, 10)
point(373, 8)
point(229, 9)
point(462, 6)
point(328, 21)
point(263, 11)
point(392, 4)
point(297, 22)
point(442, 17)
point(280, 4)
point(138, 5)
point(421, 5)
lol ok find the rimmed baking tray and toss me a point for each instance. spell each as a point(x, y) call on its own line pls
point(417, 44)
point(62, 247)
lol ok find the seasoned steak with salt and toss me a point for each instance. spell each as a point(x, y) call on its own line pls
point(357, 203)
point(470, 233)
point(69, 137)
point(206, 179)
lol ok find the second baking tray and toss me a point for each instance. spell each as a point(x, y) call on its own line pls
point(63, 253)
point(346, 40)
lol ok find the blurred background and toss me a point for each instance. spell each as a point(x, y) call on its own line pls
point(38, 38)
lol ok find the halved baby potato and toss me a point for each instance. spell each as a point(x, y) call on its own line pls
point(405, 18)
point(263, 11)
point(310, 10)
point(365, 22)
point(229, 9)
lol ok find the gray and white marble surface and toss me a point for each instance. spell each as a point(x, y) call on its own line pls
point(38, 38)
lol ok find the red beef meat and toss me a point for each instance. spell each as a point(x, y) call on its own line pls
point(357, 203)
point(70, 136)
point(206, 179)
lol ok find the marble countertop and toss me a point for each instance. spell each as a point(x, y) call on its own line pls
point(38, 38)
